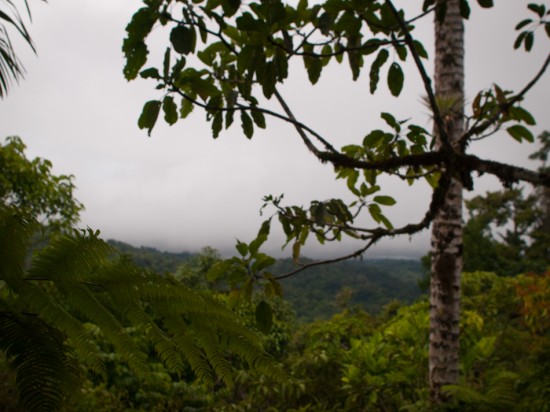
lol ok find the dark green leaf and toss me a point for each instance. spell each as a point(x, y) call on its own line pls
point(464, 9)
point(524, 116)
point(246, 58)
point(547, 28)
point(390, 120)
point(375, 69)
point(217, 124)
point(523, 23)
point(313, 66)
point(401, 52)
point(529, 40)
point(419, 48)
point(150, 73)
point(170, 110)
point(296, 247)
point(247, 125)
point(149, 115)
point(230, 7)
point(262, 261)
point(258, 118)
point(372, 139)
point(325, 23)
point(539, 9)
point(242, 248)
point(186, 108)
point(134, 47)
point(217, 271)
point(264, 317)
point(485, 3)
point(519, 39)
point(183, 39)
point(229, 116)
point(519, 132)
point(395, 79)
point(385, 200)
point(246, 22)
point(166, 63)
point(254, 246)
point(441, 11)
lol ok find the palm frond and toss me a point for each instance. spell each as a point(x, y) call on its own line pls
point(78, 278)
point(11, 68)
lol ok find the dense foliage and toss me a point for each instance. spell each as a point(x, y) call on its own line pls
point(355, 361)
point(316, 294)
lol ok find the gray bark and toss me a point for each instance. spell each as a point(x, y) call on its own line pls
point(447, 226)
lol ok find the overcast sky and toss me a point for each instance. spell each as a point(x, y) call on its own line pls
point(180, 189)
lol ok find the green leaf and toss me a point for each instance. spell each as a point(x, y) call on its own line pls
point(134, 47)
point(247, 22)
point(519, 132)
point(149, 115)
point(375, 69)
point(539, 9)
point(183, 39)
point(419, 48)
point(230, 7)
point(150, 73)
point(170, 110)
point(384, 200)
point(464, 9)
point(395, 79)
point(246, 57)
point(296, 247)
point(529, 40)
point(523, 23)
point(258, 118)
point(371, 140)
point(487, 4)
point(547, 28)
point(262, 261)
point(524, 116)
point(247, 125)
point(314, 66)
point(242, 248)
point(519, 39)
point(264, 317)
point(217, 271)
point(166, 63)
point(391, 121)
point(217, 124)
point(186, 107)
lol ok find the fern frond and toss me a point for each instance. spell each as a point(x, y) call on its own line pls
point(70, 258)
point(15, 237)
point(44, 369)
point(77, 278)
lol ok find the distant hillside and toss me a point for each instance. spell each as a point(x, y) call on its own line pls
point(151, 258)
point(321, 291)
point(374, 283)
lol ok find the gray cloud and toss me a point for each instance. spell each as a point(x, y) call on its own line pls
point(180, 189)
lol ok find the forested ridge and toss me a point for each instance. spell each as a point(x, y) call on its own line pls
point(322, 291)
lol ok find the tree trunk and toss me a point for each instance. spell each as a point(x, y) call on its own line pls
point(447, 226)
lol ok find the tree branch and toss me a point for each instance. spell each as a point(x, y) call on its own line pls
point(508, 174)
point(426, 80)
point(504, 107)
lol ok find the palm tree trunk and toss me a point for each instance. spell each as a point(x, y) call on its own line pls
point(447, 227)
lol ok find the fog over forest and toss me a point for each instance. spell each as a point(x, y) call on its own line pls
point(180, 189)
